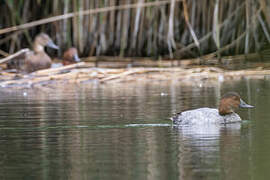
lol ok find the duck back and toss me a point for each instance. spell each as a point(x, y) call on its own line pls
point(204, 116)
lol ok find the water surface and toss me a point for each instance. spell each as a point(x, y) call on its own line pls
point(122, 131)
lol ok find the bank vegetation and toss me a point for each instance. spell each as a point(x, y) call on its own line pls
point(171, 29)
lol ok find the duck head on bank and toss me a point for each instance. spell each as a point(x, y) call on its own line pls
point(70, 56)
point(229, 103)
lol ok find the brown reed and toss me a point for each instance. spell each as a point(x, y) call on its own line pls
point(154, 28)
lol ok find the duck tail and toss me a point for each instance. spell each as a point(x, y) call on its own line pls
point(175, 118)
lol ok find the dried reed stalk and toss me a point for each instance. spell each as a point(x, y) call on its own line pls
point(159, 28)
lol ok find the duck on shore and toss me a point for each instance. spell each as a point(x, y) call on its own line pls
point(34, 60)
point(229, 103)
point(70, 56)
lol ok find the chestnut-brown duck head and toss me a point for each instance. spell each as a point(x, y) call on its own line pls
point(230, 102)
point(70, 56)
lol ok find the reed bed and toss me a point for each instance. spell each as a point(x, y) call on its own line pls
point(172, 29)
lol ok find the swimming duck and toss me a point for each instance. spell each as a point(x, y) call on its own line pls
point(229, 103)
point(37, 59)
point(70, 56)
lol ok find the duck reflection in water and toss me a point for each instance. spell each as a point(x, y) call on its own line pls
point(229, 103)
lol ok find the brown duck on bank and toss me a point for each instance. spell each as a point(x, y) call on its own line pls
point(37, 59)
point(70, 56)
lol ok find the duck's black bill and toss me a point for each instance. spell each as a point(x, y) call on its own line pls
point(244, 105)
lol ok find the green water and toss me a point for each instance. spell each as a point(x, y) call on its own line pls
point(122, 131)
